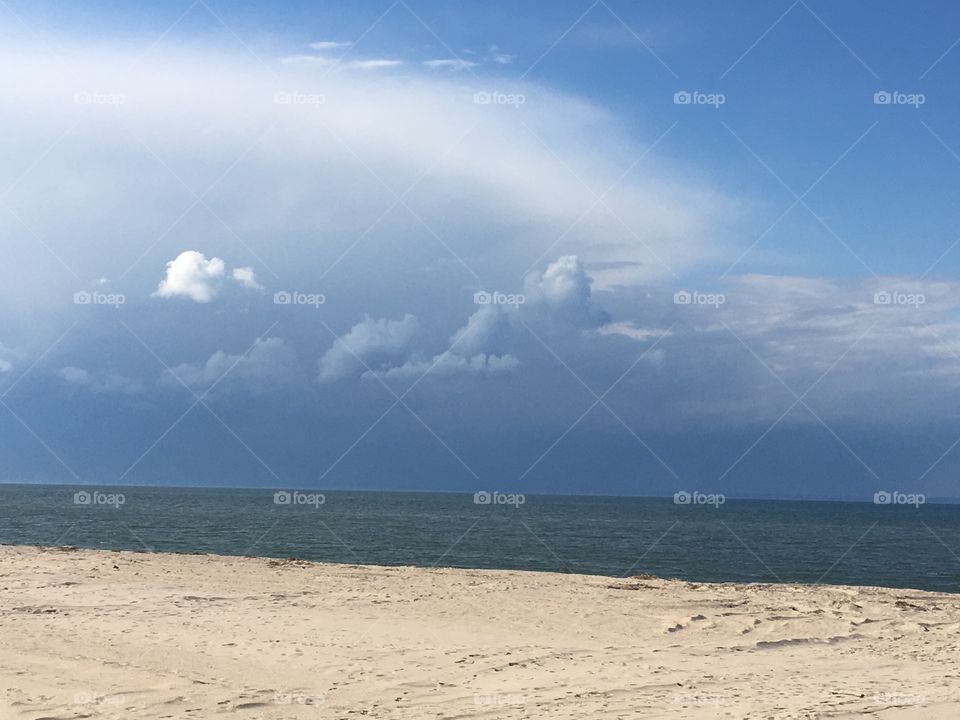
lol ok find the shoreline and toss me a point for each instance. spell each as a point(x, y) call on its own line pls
point(119, 634)
point(323, 563)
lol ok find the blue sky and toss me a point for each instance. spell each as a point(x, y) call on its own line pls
point(180, 164)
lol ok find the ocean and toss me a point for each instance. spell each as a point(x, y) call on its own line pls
point(896, 545)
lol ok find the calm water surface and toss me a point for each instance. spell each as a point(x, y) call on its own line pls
point(740, 541)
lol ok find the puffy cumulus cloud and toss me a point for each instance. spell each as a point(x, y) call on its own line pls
point(557, 300)
point(101, 382)
point(563, 291)
point(268, 365)
point(192, 275)
point(472, 350)
point(246, 277)
point(486, 327)
point(368, 343)
point(450, 363)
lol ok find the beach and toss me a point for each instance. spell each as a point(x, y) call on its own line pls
point(104, 634)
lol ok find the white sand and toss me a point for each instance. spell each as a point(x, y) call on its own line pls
point(89, 634)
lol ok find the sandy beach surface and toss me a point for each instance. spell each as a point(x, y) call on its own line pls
point(99, 634)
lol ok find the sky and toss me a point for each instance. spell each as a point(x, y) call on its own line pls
point(572, 247)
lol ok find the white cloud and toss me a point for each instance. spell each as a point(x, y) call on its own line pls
point(558, 298)
point(450, 64)
point(103, 382)
point(191, 275)
point(329, 44)
point(450, 363)
point(246, 277)
point(368, 343)
point(324, 61)
point(630, 330)
point(376, 64)
point(265, 366)
point(5, 365)
point(499, 191)
point(563, 290)
point(500, 57)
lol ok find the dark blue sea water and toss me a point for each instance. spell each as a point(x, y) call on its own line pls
point(739, 541)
